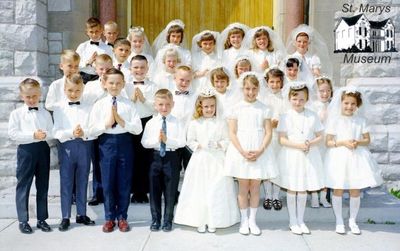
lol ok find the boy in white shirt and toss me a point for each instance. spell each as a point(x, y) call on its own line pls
point(122, 50)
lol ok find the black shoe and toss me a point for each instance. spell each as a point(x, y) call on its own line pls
point(167, 226)
point(145, 199)
point(155, 225)
point(44, 226)
point(94, 202)
point(267, 204)
point(25, 228)
point(85, 220)
point(134, 199)
point(64, 225)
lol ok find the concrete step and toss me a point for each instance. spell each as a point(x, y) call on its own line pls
point(376, 206)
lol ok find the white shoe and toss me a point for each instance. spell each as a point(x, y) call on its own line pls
point(304, 229)
point(244, 228)
point(201, 229)
point(314, 201)
point(211, 229)
point(295, 229)
point(340, 229)
point(354, 227)
point(254, 229)
point(325, 203)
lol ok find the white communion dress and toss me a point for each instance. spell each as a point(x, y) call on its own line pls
point(207, 196)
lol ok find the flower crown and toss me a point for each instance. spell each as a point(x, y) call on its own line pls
point(207, 92)
point(136, 29)
point(297, 86)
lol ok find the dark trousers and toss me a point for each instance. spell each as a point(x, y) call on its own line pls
point(96, 174)
point(164, 180)
point(141, 165)
point(75, 166)
point(32, 160)
point(116, 160)
point(184, 155)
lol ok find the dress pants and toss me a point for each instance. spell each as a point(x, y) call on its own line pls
point(75, 165)
point(142, 162)
point(33, 160)
point(96, 174)
point(164, 180)
point(116, 160)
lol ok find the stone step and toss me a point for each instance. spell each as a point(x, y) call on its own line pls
point(376, 205)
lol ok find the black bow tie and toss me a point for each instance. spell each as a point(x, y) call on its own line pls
point(96, 43)
point(33, 108)
point(110, 45)
point(181, 92)
point(74, 103)
point(138, 82)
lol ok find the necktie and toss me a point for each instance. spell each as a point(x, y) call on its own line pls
point(162, 144)
point(181, 92)
point(33, 108)
point(74, 103)
point(119, 66)
point(138, 82)
point(95, 43)
point(114, 103)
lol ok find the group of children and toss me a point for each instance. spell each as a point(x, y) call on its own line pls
point(224, 112)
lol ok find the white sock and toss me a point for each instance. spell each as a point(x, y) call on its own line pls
point(253, 213)
point(354, 207)
point(268, 189)
point(275, 194)
point(243, 214)
point(322, 196)
point(301, 207)
point(337, 209)
point(291, 205)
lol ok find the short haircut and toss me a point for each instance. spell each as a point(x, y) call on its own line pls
point(242, 63)
point(184, 68)
point(139, 58)
point(74, 79)
point(121, 41)
point(28, 83)
point(325, 80)
point(262, 32)
point(69, 56)
point(356, 95)
point(171, 53)
point(302, 34)
point(218, 73)
point(175, 29)
point(198, 111)
point(276, 73)
point(252, 79)
point(111, 24)
point(294, 92)
point(234, 30)
point(291, 61)
point(103, 58)
point(163, 94)
point(206, 37)
point(113, 71)
point(92, 22)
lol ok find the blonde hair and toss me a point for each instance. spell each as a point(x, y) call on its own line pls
point(234, 30)
point(163, 94)
point(259, 33)
point(74, 79)
point(242, 63)
point(171, 53)
point(324, 80)
point(135, 31)
point(69, 56)
point(252, 79)
point(103, 58)
point(28, 83)
point(295, 92)
point(198, 111)
point(111, 24)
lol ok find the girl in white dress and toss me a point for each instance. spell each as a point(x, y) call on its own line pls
point(139, 44)
point(249, 157)
point(320, 106)
point(163, 70)
point(204, 57)
point(300, 163)
point(207, 199)
point(349, 164)
point(274, 99)
point(220, 81)
point(230, 43)
point(265, 48)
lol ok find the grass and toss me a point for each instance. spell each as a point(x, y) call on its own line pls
point(395, 193)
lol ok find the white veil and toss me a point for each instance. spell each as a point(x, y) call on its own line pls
point(224, 36)
point(161, 39)
point(196, 38)
point(139, 31)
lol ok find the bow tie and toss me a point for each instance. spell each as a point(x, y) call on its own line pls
point(181, 92)
point(138, 82)
point(74, 103)
point(110, 45)
point(33, 108)
point(95, 43)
